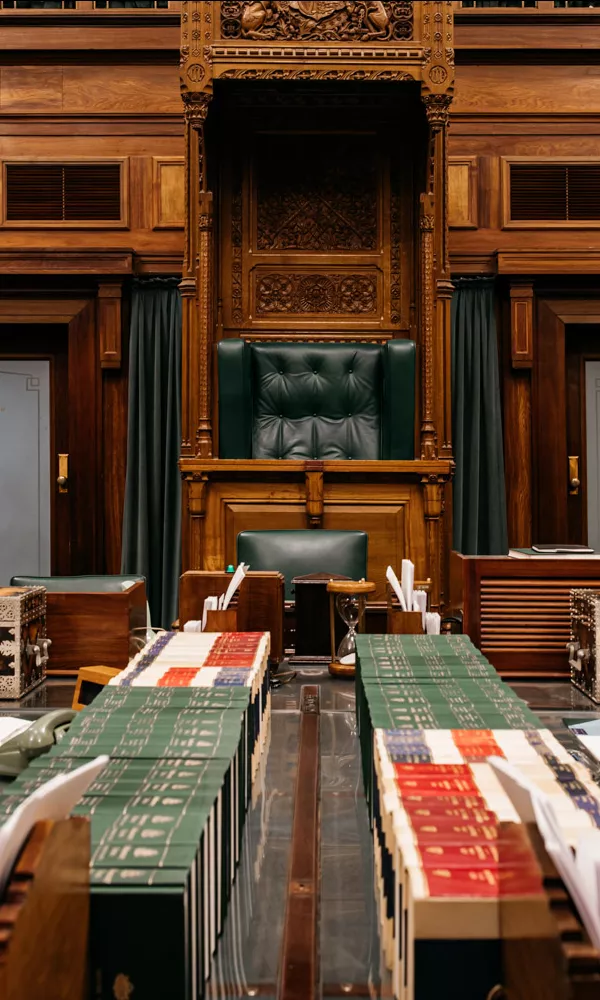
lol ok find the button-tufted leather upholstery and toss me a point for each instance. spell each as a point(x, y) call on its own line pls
point(316, 401)
point(298, 553)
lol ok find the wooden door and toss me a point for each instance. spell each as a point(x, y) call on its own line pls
point(582, 348)
point(47, 346)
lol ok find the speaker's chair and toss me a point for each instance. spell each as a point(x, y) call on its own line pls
point(298, 553)
point(316, 401)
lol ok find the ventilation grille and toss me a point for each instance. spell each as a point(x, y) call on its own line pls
point(63, 193)
point(526, 616)
point(555, 193)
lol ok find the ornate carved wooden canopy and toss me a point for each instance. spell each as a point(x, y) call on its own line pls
point(294, 40)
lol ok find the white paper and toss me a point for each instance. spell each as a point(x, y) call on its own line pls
point(9, 727)
point(53, 801)
point(394, 583)
point(420, 604)
point(533, 806)
point(408, 581)
point(210, 604)
point(433, 623)
point(236, 580)
point(193, 626)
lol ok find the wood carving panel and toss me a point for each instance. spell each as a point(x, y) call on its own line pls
point(316, 194)
point(317, 21)
point(316, 294)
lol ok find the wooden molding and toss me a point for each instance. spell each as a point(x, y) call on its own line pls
point(61, 261)
point(27, 310)
point(109, 324)
point(521, 323)
point(580, 260)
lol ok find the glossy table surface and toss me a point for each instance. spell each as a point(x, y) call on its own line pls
point(248, 959)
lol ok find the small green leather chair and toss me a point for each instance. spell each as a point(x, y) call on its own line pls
point(299, 553)
point(317, 401)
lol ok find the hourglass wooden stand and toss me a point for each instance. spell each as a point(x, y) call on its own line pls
point(350, 588)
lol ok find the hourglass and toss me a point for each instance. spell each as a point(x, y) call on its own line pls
point(349, 598)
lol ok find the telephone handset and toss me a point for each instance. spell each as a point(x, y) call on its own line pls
point(38, 738)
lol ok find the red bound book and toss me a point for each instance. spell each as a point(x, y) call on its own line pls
point(414, 800)
point(432, 831)
point(450, 815)
point(437, 786)
point(490, 883)
point(476, 855)
point(432, 770)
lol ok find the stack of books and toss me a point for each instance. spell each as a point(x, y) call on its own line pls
point(167, 813)
point(455, 870)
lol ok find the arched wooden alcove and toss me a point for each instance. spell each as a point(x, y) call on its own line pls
point(316, 212)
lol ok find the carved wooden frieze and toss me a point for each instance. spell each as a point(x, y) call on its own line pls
point(317, 22)
point(316, 193)
point(330, 40)
point(311, 294)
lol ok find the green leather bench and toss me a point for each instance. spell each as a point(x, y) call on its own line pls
point(77, 584)
point(298, 553)
point(317, 401)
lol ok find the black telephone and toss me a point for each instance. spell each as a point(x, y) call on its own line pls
point(38, 738)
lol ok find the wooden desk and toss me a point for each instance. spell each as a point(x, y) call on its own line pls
point(260, 603)
point(44, 915)
point(517, 611)
point(92, 627)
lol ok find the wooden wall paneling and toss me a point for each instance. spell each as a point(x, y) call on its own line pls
point(463, 208)
point(114, 440)
point(84, 442)
point(521, 325)
point(549, 427)
point(109, 323)
point(516, 389)
point(168, 190)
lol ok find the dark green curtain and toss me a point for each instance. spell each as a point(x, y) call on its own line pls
point(152, 516)
point(479, 499)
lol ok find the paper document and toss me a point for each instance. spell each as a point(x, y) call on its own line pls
point(236, 580)
point(53, 801)
point(9, 727)
point(394, 583)
point(408, 582)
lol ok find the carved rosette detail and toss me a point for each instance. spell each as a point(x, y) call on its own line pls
point(311, 294)
point(325, 21)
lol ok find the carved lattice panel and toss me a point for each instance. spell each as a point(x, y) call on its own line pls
point(318, 224)
point(316, 193)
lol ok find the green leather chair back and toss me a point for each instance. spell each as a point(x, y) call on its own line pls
point(317, 401)
point(77, 584)
point(298, 553)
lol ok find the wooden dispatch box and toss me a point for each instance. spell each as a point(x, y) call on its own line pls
point(260, 602)
point(93, 627)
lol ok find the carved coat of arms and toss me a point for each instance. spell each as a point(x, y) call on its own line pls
point(317, 10)
point(324, 20)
